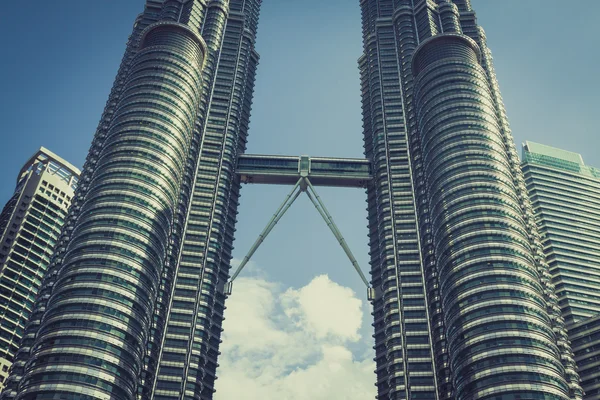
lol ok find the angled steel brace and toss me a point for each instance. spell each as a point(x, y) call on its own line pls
point(287, 203)
point(303, 185)
point(320, 206)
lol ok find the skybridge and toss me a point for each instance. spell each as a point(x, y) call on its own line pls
point(304, 173)
point(322, 171)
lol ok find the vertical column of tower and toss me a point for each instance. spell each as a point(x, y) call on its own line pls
point(490, 287)
point(104, 293)
point(402, 340)
point(389, 347)
point(197, 305)
point(463, 5)
point(427, 22)
point(407, 42)
point(241, 30)
point(225, 139)
point(169, 381)
point(449, 17)
point(192, 14)
point(468, 20)
point(149, 16)
point(172, 9)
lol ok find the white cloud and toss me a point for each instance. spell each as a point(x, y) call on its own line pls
point(294, 344)
point(248, 316)
point(325, 308)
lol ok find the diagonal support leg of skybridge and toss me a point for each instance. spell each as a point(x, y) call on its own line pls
point(287, 203)
point(320, 206)
point(303, 185)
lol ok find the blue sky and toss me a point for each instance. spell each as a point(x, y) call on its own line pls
point(60, 58)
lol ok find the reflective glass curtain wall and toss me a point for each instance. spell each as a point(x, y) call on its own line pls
point(565, 194)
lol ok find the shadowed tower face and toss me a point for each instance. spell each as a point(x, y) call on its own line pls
point(132, 304)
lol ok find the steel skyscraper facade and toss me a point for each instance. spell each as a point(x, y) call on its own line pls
point(133, 301)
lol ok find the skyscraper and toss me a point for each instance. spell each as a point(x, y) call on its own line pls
point(133, 301)
point(466, 309)
point(139, 270)
point(30, 225)
point(565, 194)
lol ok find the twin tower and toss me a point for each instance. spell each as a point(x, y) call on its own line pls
point(132, 304)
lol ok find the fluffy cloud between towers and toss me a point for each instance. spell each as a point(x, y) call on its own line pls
point(295, 344)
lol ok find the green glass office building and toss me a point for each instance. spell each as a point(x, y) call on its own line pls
point(565, 195)
point(463, 302)
point(30, 225)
